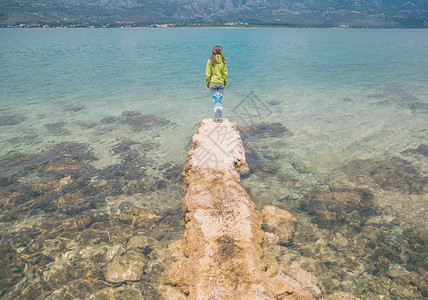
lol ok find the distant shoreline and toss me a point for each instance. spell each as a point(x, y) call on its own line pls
point(171, 25)
point(155, 27)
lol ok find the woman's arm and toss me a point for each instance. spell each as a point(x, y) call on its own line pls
point(208, 72)
point(225, 75)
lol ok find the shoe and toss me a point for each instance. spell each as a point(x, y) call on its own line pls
point(220, 120)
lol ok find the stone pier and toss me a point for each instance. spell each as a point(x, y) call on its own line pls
point(219, 256)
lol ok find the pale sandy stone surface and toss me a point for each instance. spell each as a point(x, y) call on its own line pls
point(216, 146)
point(271, 238)
point(280, 222)
point(220, 254)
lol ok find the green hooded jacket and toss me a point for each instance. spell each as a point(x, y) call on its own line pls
point(216, 74)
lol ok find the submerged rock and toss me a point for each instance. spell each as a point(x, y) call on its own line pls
point(137, 217)
point(142, 242)
point(59, 179)
point(280, 222)
point(58, 237)
point(418, 107)
point(306, 278)
point(341, 296)
point(87, 124)
point(400, 98)
point(139, 122)
point(339, 206)
point(172, 171)
point(381, 248)
point(261, 130)
point(57, 128)
point(24, 139)
point(391, 174)
point(125, 267)
point(11, 120)
point(125, 145)
point(285, 287)
point(415, 248)
point(134, 154)
point(274, 102)
point(172, 293)
point(422, 150)
point(259, 159)
point(258, 164)
point(109, 120)
point(74, 107)
point(121, 292)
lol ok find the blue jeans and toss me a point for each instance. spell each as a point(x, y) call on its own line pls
point(217, 94)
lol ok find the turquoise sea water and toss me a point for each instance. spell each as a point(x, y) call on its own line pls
point(95, 126)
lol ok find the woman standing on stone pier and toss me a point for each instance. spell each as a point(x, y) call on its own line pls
point(216, 80)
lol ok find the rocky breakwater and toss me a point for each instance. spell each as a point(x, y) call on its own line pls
point(219, 256)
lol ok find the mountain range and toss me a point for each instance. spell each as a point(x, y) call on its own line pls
point(352, 13)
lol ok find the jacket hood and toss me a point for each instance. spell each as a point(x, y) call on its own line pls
point(218, 59)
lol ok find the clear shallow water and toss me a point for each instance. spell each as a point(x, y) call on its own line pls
point(352, 107)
